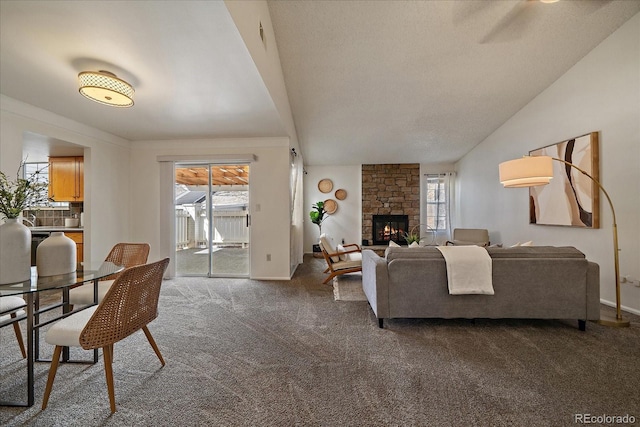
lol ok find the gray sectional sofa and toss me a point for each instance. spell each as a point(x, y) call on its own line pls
point(530, 282)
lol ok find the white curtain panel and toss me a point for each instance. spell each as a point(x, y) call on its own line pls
point(450, 188)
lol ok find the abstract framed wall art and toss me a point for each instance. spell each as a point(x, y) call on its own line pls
point(571, 198)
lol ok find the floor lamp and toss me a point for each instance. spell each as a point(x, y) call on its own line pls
point(531, 171)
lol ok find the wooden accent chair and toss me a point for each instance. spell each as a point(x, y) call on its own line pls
point(125, 254)
point(10, 307)
point(129, 305)
point(469, 236)
point(340, 259)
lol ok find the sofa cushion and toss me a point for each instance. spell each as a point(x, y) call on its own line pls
point(340, 248)
point(535, 252)
point(405, 252)
point(354, 256)
point(342, 265)
point(348, 256)
point(466, 243)
point(494, 252)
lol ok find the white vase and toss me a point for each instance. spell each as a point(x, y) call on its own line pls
point(15, 252)
point(56, 255)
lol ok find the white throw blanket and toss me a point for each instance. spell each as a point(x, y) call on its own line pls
point(468, 270)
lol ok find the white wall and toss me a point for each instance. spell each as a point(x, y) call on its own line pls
point(106, 170)
point(248, 15)
point(269, 195)
point(346, 222)
point(600, 93)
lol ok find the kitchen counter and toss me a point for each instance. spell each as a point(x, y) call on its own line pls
point(52, 229)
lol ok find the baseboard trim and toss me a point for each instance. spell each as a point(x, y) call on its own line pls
point(622, 307)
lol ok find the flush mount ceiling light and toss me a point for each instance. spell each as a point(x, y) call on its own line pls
point(104, 87)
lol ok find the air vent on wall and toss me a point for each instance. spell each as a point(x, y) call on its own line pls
point(262, 36)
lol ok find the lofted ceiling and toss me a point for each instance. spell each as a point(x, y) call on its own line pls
point(368, 81)
point(424, 81)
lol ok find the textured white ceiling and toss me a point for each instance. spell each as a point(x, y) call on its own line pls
point(368, 81)
point(424, 81)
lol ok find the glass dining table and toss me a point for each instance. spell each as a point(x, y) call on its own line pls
point(30, 290)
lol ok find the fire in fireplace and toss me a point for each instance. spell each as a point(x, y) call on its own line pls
point(388, 228)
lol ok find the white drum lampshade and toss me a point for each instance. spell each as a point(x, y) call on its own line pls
point(527, 171)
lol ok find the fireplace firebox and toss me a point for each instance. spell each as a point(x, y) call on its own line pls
point(388, 228)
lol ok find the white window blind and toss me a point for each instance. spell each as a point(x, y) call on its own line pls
point(436, 202)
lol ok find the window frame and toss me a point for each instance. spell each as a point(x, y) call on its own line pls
point(43, 176)
point(436, 222)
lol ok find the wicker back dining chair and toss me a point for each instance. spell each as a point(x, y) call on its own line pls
point(10, 307)
point(130, 305)
point(125, 254)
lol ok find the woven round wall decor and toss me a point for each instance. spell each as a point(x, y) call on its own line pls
point(325, 185)
point(341, 194)
point(330, 206)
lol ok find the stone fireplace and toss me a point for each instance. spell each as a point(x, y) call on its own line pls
point(389, 189)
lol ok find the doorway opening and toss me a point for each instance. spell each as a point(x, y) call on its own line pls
point(212, 220)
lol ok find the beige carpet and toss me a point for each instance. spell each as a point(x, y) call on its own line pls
point(348, 287)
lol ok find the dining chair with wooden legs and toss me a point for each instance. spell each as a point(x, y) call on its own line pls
point(130, 305)
point(10, 307)
point(124, 254)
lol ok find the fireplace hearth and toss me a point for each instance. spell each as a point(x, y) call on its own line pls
point(388, 228)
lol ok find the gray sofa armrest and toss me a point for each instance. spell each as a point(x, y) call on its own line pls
point(593, 291)
point(375, 282)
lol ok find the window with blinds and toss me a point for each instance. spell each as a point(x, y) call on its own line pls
point(41, 171)
point(436, 202)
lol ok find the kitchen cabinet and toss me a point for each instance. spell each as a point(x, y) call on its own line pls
point(78, 237)
point(66, 179)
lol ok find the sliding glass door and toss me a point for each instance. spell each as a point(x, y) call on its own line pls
point(212, 220)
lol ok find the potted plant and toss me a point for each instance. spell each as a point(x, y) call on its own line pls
point(15, 239)
point(412, 236)
point(317, 215)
